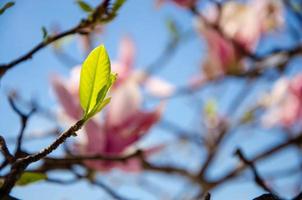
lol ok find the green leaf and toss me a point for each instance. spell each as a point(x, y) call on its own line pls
point(98, 107)
point(96, 79)
point(30, 177)
point(85, 6)
point(6, 6)
point(101, 96)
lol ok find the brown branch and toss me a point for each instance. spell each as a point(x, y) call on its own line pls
point(68, 162)
point(24, 119)
point(173, 170)
point(138, 154)
point(258, 179)
point(212, 151)
point(267, 197)
point(207, 197)
point(51, 163)
point(98, 183)
point(101, 14)
point(5, 67)
point(110, 191)
point(22, 163)
point(235, 172)
point(4, 150)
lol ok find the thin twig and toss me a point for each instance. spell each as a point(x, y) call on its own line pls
point(110, 191)
point(21, 164)
point(258, 179)
point(207, 197)
point(4, 150)
point(212, 151)
point(24, 119)
point(5, 67)
point(78, 159)
point(272, 150)
point(101, 14)
point(98, 183)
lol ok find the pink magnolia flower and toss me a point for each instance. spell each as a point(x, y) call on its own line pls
point(239, 23)
point(247, 23)
point(123, 123)
point(181, 3)
point(222, 55)
point(284, 103)
point(124, 67)
point(67, 92)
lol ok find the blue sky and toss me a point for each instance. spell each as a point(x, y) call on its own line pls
point(21, 30)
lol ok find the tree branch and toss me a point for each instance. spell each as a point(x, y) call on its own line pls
point(21, 164)
point(101, 14)
point(4, 150)
point(234, 173)
point(5, 67)
point(24, 119)
point(258, 179)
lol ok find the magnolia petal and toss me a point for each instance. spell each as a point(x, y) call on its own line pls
point(95, 136)
point(67, 100)
point(158, 87)
point(127, 53)
point(126, 101)
point(74, 80)
point(222, 55)
point(241, 23)
point(296, 85)
point(132, 129)
point(284, 104)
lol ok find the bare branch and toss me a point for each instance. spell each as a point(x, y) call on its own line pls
point(208, 196)
point(110, 191)
point(258, 179)
point(79, 159)
point(235, 172)
point(21, 164)
point(4, 150)
point(24, 119)
point(100, 15)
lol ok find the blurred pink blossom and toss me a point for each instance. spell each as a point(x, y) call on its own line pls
point(66, 92)
point(123, 122)
point(124, 67)
point(247, 23)
point(222, 56)
point(239, 23)
point(284, 103)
